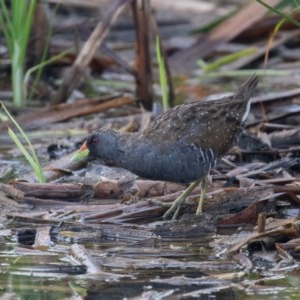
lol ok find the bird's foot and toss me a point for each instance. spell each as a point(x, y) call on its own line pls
point(163, 204)
point(175, 208)
point(202, 196)
point(172, 207)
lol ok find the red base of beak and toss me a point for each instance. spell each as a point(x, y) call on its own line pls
point(83, 147)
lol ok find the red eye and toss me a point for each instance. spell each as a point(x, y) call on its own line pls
point(94, 141)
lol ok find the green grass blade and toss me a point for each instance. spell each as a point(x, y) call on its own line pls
point(16, 19)
point(246, 73)
point(226, 59)
point(278, 12)
point(41, 65)
point(6, 25)
point(20, 129)
point(28, 18)
point(162, 74)
point(24, 152)
point(33, 157)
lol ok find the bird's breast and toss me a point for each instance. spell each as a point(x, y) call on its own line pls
point(176, 162)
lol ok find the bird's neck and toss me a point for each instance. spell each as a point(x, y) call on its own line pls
point(118, 148)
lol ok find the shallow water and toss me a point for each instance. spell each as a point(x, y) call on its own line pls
point(135, 273)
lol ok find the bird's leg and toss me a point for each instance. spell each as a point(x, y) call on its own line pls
point(180, 200)
point(204, 184)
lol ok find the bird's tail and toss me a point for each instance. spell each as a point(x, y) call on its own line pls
point(248, 88)
point(245, 93)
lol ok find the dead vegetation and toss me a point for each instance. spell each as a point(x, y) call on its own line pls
point(105, 220)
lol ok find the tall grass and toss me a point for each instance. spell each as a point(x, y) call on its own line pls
point(16, 21)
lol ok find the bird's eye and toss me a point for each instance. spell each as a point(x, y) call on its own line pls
point(94, 141)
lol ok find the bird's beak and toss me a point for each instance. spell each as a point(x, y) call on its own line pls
point(80, 154)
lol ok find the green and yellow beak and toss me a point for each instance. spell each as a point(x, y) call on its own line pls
point(80, 154)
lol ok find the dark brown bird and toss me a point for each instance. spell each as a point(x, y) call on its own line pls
point(181, 145)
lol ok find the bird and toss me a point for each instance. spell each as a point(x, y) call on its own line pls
point(181, 145)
